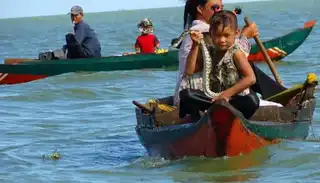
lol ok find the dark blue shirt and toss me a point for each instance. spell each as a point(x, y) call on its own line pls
point(87, 39)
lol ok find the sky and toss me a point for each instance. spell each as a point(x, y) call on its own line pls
point(27, 8)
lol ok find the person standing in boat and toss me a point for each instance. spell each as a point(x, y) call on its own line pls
point(197, 14)
point(83, 42)
point(230, 76)
point(147, 42)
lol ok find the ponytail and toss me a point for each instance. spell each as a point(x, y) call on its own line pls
point(190, 11)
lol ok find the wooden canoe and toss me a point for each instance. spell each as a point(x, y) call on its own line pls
point(222, 129)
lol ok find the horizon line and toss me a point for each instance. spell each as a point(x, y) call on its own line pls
point(90, 12)
point(134, 9)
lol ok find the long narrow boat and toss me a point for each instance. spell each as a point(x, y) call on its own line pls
point(222, 129)
point(16, 71)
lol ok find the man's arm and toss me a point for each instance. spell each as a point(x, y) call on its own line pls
point(80, 33)
point(64, 48)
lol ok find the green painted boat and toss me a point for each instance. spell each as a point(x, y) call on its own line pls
point(279, 47)
point(25, 70)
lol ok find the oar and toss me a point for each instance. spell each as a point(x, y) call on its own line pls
point(265, 54)
point(18, 60)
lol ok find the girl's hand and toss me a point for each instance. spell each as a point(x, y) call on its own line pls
point(196, 37)
point(222, 96)
point(250, 30)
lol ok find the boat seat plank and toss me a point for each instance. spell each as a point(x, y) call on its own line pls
point(274, 114)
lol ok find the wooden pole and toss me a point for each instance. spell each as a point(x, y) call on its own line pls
point(265, 54)
point(145, 109)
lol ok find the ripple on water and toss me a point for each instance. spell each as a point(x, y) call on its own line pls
point(89, 118)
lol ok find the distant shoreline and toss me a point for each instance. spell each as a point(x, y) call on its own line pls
point(111, 11)
point(119, 10)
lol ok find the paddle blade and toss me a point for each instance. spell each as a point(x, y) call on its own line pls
point(17, 60)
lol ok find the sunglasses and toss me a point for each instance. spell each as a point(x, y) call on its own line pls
point(215, 8)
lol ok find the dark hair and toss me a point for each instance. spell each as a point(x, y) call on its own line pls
point(190, 10)
point(225, 18)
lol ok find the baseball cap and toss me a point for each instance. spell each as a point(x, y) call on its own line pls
point(76, 10)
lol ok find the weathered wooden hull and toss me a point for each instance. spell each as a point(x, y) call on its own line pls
point(222, 131)
point(222, 137)
point(17, 72)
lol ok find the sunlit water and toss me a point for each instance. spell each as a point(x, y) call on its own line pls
point(89, 118)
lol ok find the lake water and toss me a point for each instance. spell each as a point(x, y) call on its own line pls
point(89, 119)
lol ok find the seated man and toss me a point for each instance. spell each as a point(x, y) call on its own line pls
point(83, 43)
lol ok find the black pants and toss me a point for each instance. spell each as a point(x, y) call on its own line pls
point(247, 105)
point(74, 48)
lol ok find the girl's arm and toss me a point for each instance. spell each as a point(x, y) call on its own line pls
point(137, 46)
point(156, 42)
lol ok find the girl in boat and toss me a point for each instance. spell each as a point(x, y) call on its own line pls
point(147, 42)
point(197, 14)
point(231, 75)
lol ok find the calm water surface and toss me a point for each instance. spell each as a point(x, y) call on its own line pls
point(90, 120)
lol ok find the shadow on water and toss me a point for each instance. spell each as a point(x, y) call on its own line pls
point(194, 169)
point(256, 166)
point(240, 168)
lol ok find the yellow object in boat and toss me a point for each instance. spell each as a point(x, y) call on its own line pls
point(163, 107)
point(312, 78)
point(161, 50)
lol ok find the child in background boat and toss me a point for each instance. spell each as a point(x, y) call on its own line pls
point(231, 74)
point(147, 41)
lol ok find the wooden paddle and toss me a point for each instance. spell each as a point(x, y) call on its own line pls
point(265, 54)
point(18, 60)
